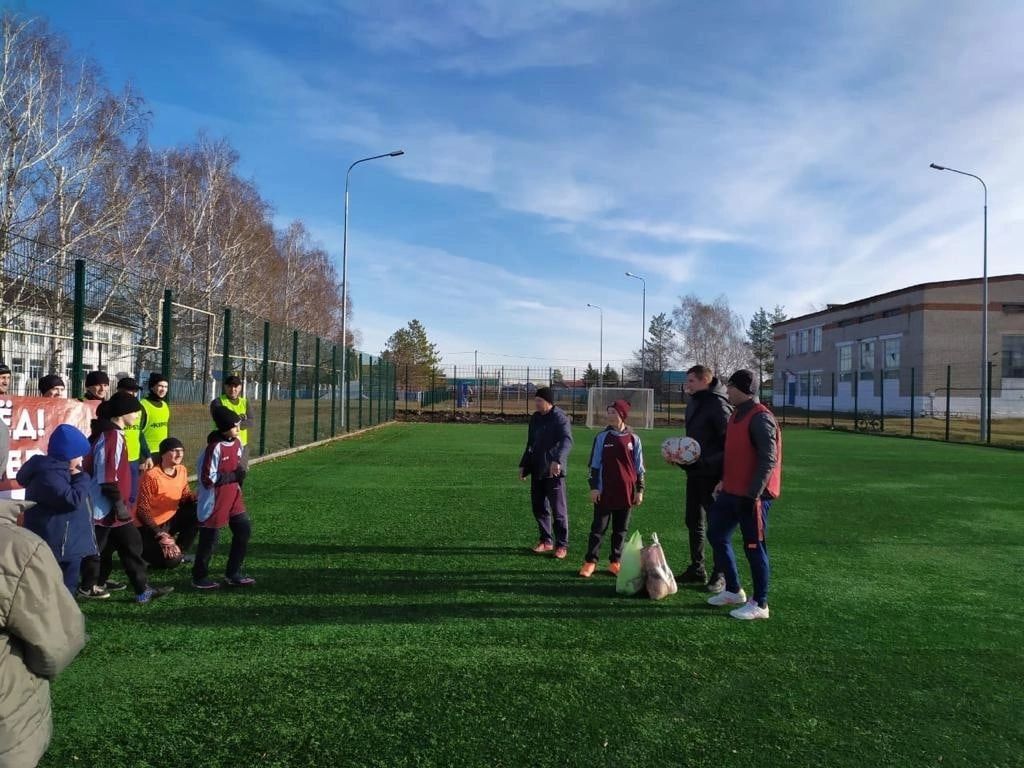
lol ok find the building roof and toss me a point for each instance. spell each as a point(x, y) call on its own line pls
point(892, 294)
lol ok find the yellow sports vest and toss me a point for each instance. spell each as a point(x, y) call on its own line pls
point(242, 409)
point(133, 441)
point(157, 426)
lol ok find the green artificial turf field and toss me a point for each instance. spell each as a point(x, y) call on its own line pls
point(400, 621)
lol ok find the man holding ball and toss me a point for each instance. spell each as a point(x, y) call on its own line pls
point(707, 415)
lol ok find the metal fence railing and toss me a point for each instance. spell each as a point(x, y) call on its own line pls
point(69, 316)
point(937, 402)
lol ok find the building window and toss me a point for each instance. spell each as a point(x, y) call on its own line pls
point(793, 343)
point(804, 342)
point(1013, 357)
point(19, 338)
point(846, 362)
point(35, 369)
point(88, 337)
point(867, 360)
point(891, 358)
point(816, 339)
point(18, 365)
point(817, 384)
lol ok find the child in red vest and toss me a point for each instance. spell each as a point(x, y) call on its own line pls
point(616, 485)
point(220, 503)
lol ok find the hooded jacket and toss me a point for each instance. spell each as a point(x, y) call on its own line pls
point(41, 632)
point(707, 418)
point(62, 514)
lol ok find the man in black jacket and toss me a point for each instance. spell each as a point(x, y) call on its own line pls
point(544, 461)
point(707, 416)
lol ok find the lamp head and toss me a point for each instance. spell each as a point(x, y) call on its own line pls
point(937, 167)
point(396, 153)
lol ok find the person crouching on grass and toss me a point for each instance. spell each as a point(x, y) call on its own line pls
point(221, 474)
point(167, 508)
point(616, 485)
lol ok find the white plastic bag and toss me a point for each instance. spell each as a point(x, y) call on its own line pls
point(660, 580)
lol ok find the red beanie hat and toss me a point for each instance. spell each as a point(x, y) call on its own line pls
point(622, 408)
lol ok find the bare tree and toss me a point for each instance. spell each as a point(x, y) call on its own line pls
point(712, 334)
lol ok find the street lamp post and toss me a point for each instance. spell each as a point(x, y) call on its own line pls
point(643, 330)
point(344, 282)
point(984, 300)
point(600, 374)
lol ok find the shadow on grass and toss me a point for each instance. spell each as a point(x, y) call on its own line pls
point(341, 596)
point(270, 549)
point(213, 611)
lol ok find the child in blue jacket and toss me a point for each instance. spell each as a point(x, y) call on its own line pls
point(61, 492)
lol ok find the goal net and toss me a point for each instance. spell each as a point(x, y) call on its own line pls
point(641, 414)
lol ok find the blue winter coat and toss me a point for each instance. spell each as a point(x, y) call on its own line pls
point(61, 516)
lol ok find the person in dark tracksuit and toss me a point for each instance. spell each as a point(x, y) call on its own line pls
point(751, 481)
point(616, 485)
point(548, 444)
point(61, 492)
point(707, 415)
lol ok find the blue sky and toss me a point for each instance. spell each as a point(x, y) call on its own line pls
point(776, 152)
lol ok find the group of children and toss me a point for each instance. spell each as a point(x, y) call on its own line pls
point(92, 497)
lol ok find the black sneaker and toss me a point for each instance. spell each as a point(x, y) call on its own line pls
point(96, 593)
point(694, 575)
point(717, 584)
point(115, 586)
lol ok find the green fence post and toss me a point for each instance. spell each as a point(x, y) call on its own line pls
point(346, 391)
point(573, 396)
point(264, 386)
point(316, 390)
point(165, 356)
point(455, 390)
point(913, 385)
point(295, 386)
point(334, 386)
point(988, 411)
point(833, 425)
point(949, 384)
point(369, 402)
point(382, 389)
point(225, 365)
point(78, 329)
point(856, 398)
point(359, 400)
point(808, 399)
point(881, 404)
point(433, 390)
point(526, 392)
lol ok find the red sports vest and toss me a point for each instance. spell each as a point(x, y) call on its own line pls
point(741, 456)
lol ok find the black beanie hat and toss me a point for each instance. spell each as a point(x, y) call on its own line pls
point(170, 444)
point(545, 393)
point(4, 368)
point(121, 404)
point(50, 381)
point(744, 381)
point(128, 384)
point(232, 381)
point(225, 418)
point(96, 378)
point(156, 378)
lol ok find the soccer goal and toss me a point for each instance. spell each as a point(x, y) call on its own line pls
point(641, 414)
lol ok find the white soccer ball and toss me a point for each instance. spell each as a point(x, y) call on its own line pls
point(681, 450)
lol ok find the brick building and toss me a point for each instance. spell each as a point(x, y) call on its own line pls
point(897, 349)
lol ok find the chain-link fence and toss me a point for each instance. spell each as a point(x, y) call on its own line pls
point(71, 316)
point(936, 402)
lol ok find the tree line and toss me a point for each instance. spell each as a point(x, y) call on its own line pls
point(78, 175)
point(706, 332)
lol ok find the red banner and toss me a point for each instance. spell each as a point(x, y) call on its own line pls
point(31, 420)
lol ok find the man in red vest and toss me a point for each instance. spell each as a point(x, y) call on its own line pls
point(751, 481)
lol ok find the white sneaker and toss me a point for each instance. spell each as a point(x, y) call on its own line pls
point(750, 611)
point(728, 598)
